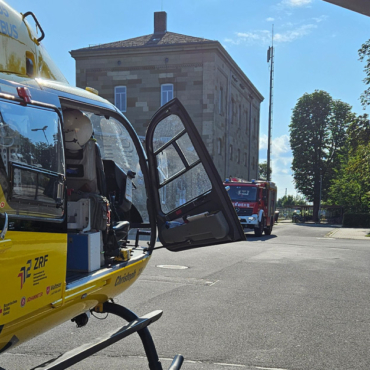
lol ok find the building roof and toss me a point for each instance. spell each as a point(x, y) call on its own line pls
point(155, 39)
point(161, 38)
point(359, 6)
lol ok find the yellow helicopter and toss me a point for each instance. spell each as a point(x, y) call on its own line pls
point(81, 201)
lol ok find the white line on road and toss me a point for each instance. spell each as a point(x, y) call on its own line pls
point(213, 283)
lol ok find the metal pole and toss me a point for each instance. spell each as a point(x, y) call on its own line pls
point(270, 58)
point(320, 198)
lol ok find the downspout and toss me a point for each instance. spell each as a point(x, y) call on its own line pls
point(227, 128)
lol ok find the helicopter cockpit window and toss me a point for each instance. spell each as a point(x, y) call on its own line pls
point(116, 144)
point(32, 157)
point(181, 175)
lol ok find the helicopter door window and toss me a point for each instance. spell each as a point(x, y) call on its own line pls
point(174, 163)
point(167, 129)
point(184, 188)
point(187, 149)
point(33, 159)
point(181, 175)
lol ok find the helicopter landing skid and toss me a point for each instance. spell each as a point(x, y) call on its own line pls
point(135, 324)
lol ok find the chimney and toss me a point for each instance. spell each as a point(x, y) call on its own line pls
point(160, 22)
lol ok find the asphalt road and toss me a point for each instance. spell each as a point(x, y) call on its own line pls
point(291, 301)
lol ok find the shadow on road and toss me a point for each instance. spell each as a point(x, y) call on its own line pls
point(252, 237)
point(316, 225)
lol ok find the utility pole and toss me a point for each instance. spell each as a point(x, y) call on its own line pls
point(320, 196)
point(270, 59)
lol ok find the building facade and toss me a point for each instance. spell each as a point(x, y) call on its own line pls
point(141, 74)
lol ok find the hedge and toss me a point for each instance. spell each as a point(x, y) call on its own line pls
point(356, 220)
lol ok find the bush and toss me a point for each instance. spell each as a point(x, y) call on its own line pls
point(356, 220)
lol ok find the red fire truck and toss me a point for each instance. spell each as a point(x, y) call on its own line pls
point(254, 202)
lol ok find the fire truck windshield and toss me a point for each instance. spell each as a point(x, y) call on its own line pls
point(243, 193)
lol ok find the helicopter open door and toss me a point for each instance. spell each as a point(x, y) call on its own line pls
point(193, 208)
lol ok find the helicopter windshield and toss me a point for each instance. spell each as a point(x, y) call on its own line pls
point(31, 136)
point(116, 144)
point(32, 160)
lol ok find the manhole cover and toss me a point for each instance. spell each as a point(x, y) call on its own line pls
point(173, 267)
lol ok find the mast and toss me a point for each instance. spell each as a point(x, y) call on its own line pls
point(270, 59)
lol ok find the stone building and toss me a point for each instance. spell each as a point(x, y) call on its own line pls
point(140, 74)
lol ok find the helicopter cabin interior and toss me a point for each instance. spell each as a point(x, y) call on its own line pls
point(38, 169)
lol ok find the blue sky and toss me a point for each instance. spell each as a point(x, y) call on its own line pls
point(316, 46)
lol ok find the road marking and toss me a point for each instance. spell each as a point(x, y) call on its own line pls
point(177, 280)
point(326, 238)
point(213, 283)
point(232, 365)
point(173, 267)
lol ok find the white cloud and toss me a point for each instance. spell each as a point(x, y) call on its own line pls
point(279, 145)
point(320, 19)
point(295, 34)
point(295, 3)
point(257, 36)
point(263, 141)
point(270, 19)
point(263, 37)
point(281, 162)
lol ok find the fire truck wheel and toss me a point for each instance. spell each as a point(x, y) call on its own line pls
point(268, 229)
point(259, 230)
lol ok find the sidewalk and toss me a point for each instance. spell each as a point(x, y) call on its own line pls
point(349, 233)
point(342, 232)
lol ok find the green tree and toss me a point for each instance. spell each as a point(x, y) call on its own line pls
point(358, 132)
point(262, 168)
point(351, 187)
point(364, 53)
point(286, 200)
point(317, 138)
point(290, 200)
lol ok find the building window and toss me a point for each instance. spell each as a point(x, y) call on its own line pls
point(230, 153)
point(253, 163)
point(255, 126)
point(219, 146)
point(238, 159)
point(245, 160)
point(232, 110)
point(246, 122)
point(239, 115)
point(220, 100)
point(120, 98)
point(166, 93)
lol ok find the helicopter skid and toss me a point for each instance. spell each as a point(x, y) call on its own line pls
point(136, 324)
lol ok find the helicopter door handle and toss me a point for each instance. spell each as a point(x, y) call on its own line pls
point(5, 228)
